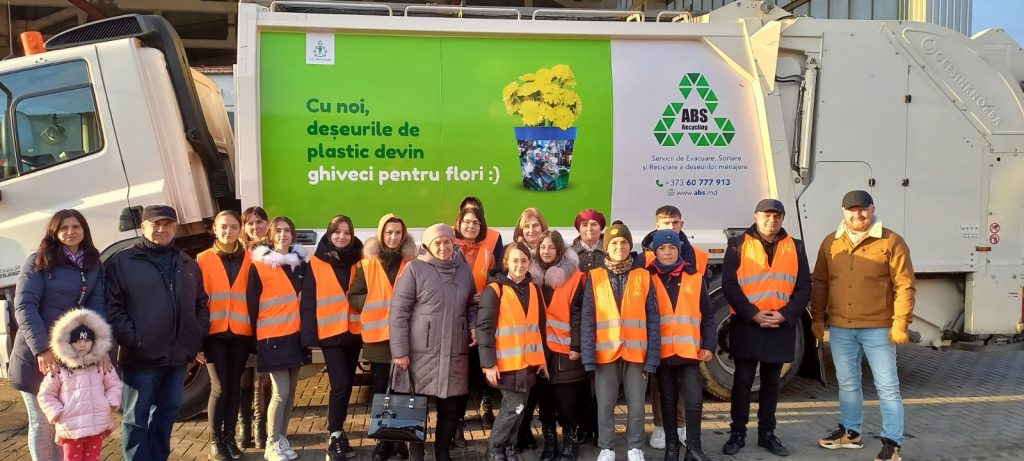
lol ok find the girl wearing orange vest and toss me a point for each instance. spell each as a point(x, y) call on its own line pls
point(620, 339)
point(225, 272)
point(509, 326)
point(370, 292)
point(555, 269)
point(255, 386)
point(275, 282)
point(687, 338)
point(329, 322)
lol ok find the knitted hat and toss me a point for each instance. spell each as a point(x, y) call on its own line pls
point(616, 230)
point(82, 332)
point(436, 231)
point(664, 236)
point(589, 214)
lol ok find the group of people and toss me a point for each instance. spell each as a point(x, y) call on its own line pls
point(549, 324)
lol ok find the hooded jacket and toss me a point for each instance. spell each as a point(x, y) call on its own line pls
point(588, 319)
point(391, 260)
point(342, 261)
point(282, 352)
point(80, 399)
point(487, 324)
point(560, 368)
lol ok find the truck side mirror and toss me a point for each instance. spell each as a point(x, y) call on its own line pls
point(131, 218)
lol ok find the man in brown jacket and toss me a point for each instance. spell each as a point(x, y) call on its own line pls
point(864, 281)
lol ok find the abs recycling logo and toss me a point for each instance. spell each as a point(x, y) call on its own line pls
point(691, 119)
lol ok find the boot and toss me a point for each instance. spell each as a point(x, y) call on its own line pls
point(259, 412)
point(416, 451)
point(671, 451)
point(228, 442)
point(570, 444)
point(459, 439)
point(525, 439)
point(694, 452)
point(259, 423)
point(486, 411)
point(217, 450)
point(550, 451)
point(382, 451)
point(401, 450)
point(245, 418)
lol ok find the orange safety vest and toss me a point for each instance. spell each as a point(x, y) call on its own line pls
point(333, 314)
point(700, 258)
point(484, 260)
point(374, 318)
point(680, 323)
point(279, 305)
point(621, 335)
point(556, 315)
point(228, 309)
point(767, 286)
point(517, 342)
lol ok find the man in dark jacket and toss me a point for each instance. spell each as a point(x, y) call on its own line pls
point(767, 282)
point(158, 311)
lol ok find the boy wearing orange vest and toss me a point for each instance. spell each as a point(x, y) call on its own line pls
point(620, 339)
point(766, 279)
point(687, 338)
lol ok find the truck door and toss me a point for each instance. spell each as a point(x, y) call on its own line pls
point(57, 150)
point(820, 207)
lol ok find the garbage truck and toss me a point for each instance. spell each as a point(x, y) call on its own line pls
point(369, 108)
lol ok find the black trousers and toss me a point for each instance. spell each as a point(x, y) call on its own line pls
point(768, 396)
point(380, 374)
point(540, 396)
point(341, 364)
point(685, 381)
point(449, 412)
point(225, 362)
point(568, 400)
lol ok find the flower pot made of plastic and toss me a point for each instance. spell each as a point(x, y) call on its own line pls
point(545, 156)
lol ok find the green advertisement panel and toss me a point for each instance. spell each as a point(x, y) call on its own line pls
point(411, 125)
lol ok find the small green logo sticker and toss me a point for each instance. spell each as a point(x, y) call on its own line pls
point(320, 50)
point(680, 120)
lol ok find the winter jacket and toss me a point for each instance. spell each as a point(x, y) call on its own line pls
point(282, 352)
point(487, 324)
point(158, 318)
point(40, 298)
point(80, 399)
point(588, 258)
point(747, 340)
point(560, 369)
point(341, 262)
point(864, 286)
point(671, 282)
point(588, 319)
point(430, 319)
point(379, 352)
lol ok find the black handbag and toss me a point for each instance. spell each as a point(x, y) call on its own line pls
point(399, 417)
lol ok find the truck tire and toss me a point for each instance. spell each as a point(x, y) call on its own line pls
point(718, 372)
point(195, 393)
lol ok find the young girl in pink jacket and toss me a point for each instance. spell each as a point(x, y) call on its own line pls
point(80, 399)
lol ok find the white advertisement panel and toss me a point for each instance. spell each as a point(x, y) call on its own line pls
point(685, 134)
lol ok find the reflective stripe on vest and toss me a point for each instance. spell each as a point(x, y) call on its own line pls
point(333, 314)
point(484, 260)
point(374, 317)
point(680, 321)
point(279, 306)
point(517, 341)
point(621, 335)
point(556, 315)
point(228, 309)
point(767, 286)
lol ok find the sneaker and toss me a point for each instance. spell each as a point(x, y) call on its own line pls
point(681, 432)
point(635, 454)
point(734, 444)
point(657, 441)
point(890, 451)
point(841, 438)
point(273, 452)
point(339, 448)
point(770, 442)
point(606, 455)
point(286, 449)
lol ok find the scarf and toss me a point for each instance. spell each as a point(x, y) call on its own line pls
point(230, 253)
point(856, 237)
point(675, 268)
point(618, 267)
point(78, 257)
point(469, 249)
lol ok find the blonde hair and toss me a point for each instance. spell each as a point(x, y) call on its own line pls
point(517, 234)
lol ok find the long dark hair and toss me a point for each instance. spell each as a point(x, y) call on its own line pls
point(51, 251)
point(336, 222)
point(248, 213)
point(556, 238)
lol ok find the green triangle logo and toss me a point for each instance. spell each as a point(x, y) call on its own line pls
point(660, 127)
point(703, 92)
point(721, 141)
point(685, 90)
point(694, 137)
point(660, 137)
point(711, 97)
point(720, 121)
point(712, 137)
point(712, 106)
point(686, 81)
point(703, 141)
point(728, 126)
point(728, 137)
point(669, 112)
point(701, 81)
point(668, 121)
point(677, 137)
point(676, 106)
point(694, 76)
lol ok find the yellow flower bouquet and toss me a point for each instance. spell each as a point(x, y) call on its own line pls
point(544, 97)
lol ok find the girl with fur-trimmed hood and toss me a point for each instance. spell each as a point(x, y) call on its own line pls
point(80, 399)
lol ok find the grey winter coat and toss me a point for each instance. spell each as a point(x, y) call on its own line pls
point(429, 322)
point(40, 298)
point(561, 369)
point(588, 334)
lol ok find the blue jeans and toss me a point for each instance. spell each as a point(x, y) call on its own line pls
point(42, 445)
point(848, 346)
point(149, 400)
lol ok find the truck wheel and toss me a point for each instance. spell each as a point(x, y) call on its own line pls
point(718, 372)
point(195, 393)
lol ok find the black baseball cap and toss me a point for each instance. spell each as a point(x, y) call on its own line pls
point(857, 198)
point(770, 204)
point(155, 213)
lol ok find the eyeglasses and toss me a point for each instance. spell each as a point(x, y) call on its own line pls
point(473, 223)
